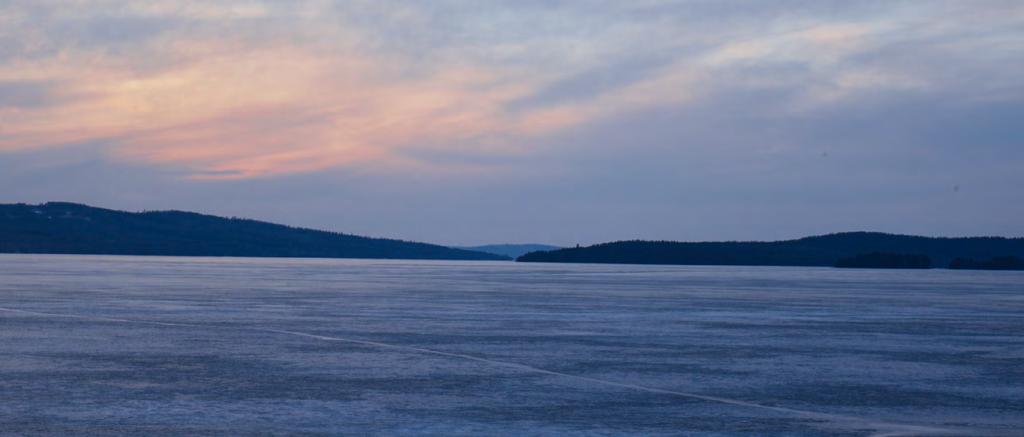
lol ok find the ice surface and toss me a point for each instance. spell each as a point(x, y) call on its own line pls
point(111, 345)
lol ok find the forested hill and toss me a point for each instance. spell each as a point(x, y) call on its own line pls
point(823, 250)
point(70, 228)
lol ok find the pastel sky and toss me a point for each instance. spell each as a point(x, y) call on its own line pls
point(464, 122)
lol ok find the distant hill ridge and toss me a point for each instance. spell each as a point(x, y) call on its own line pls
point(510, 250)
point(71, 228)
point(823, 250)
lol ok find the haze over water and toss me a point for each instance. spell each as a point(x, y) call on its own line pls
point(98, 344)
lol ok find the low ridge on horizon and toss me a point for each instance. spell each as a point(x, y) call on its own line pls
point(74, 228)
point(817, 250)
point(511, 250)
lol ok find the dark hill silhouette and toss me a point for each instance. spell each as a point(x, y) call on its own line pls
point(879, 260)
point(70, 228)
point(824, 250)
point(996, 263)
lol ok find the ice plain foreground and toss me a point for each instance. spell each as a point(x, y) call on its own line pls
point(151, 345)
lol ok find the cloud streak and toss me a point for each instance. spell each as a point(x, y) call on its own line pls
point(248, 89)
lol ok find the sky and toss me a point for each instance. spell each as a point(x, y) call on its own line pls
point(563, 122)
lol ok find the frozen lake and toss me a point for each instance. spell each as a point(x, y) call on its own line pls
point(110, 345)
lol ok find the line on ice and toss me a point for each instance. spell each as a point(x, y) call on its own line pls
point(883, 429)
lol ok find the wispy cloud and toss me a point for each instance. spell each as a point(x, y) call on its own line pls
point(244, 89)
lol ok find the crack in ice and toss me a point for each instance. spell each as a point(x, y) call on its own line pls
point(882, 428)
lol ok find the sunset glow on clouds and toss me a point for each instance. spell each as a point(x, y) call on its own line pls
point(244, 89)
point(236, 111)
point(226, 106)
point(632, 102)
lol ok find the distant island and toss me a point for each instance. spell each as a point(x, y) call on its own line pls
point(823, 250)
point(70, 228)
point(510, 250)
